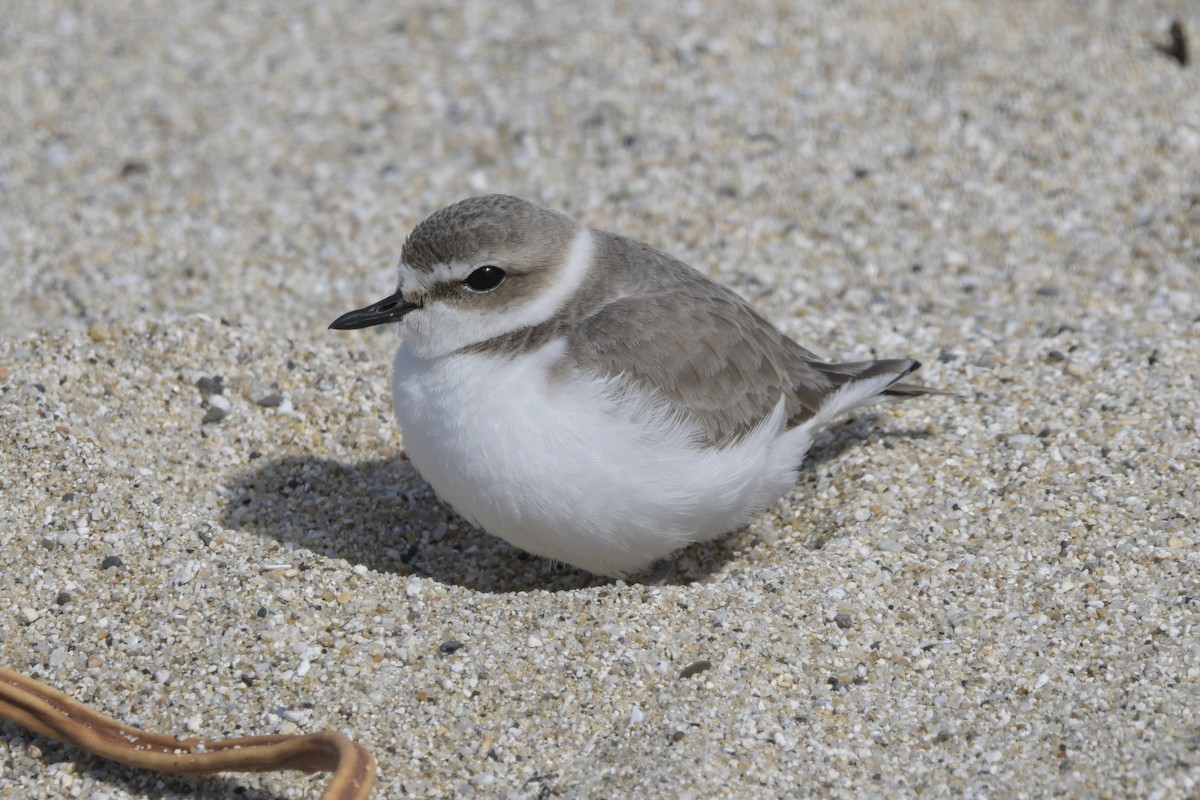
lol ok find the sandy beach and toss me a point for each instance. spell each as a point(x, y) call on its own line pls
point(206, 526)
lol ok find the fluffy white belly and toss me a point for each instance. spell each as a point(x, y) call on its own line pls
point(574, 471)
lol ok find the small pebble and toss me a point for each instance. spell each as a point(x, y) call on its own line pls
point(211, 386)
point(1076, 371)
point(298, 715)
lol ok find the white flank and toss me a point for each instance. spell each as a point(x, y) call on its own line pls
point(579, 471)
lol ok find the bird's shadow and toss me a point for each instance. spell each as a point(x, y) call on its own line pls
point(854, 431)
point(381, 514)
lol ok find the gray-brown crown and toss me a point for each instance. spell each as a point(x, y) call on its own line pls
point(491, 226)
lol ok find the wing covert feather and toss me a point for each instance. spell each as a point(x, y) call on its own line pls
point(700, 346)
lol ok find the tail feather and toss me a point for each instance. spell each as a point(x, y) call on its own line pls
point(862, 370)
point(913, 389)
point(856, 383)
point(899, 367)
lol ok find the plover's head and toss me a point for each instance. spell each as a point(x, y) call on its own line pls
point(481, 268)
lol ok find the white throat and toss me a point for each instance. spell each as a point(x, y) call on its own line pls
point(437, 329)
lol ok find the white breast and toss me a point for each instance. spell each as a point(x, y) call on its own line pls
point(578, 470)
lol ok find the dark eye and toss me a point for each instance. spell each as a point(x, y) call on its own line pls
point(485, 279)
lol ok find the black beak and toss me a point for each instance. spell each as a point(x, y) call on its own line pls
point(389, 309)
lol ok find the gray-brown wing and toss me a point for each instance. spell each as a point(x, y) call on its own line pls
point(698, 345)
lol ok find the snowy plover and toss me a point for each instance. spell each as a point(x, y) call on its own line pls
point(591, 399)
